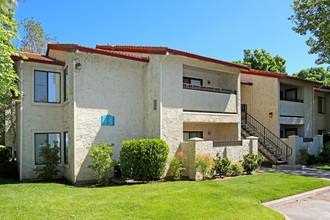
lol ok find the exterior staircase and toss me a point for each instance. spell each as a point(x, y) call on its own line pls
point(270, 145)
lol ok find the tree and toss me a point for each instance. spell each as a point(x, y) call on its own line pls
point(261, 60)
point(34, 38)
point(8, 77)
point(317, 74)
point(313, 16)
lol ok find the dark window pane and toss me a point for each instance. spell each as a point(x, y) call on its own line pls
point(40, 86)
point(66, 148)
point(54, 87)
point(186, 80)
point(66, 85)
point(39, 142)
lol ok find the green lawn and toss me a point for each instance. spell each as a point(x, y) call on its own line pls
point(321, 166)
point(236, 198)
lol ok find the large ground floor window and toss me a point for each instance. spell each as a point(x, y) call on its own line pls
point(42, 139)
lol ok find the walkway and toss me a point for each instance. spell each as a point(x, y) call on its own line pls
point(314, 204)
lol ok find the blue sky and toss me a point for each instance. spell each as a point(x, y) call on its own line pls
point(219, 29)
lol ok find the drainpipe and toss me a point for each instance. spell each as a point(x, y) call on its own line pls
point(161, 95)
point(21, 124)
point(74, 116)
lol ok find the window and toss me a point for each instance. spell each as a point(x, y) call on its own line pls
point(192, 134)
point(193, 81)
point(321, 105)
point(47, 87)
point(66, 147)
point(66, 80)
point(41, 140)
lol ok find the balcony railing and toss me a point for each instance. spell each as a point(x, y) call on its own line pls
point(208, 89)
point(226, 143)
point(292, 99)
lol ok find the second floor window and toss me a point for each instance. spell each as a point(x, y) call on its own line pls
point(193, 81)
point(66, 78)
point(47, 87)
point(321, 105)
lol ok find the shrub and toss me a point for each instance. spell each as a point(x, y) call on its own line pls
point(204, 164)
point(303, 156)
point(49, 158)
point(143, 159)
point(176, 165)
point(221, 166)
point(307, 159)
point(236, 169)
point(8, 165)
point(324, 156)
point(102, 158)
point(326, 137)
point(251, 162)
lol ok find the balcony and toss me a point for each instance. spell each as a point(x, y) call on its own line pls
point(291, 109)
point(292, 99)
point(209, 99)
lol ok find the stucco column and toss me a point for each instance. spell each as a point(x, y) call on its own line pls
point(191, 156)
point(253, 144)
point(293, 142)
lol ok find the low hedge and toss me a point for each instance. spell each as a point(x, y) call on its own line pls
point(143, 159)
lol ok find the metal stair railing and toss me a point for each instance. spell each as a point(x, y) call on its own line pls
point(266, 137)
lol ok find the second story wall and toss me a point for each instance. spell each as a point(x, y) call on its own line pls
point(264, 96)
point(321, 112)
point(106, 85)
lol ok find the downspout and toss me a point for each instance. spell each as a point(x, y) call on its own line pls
point(74, 116)
point(161, 95)
point(21, 125)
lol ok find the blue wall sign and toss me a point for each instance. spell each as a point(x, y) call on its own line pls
point(108, 120)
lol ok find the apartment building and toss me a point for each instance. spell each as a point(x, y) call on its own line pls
point(77, 95)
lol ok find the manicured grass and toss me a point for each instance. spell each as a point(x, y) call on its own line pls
point(321, 166)
point(236, 198)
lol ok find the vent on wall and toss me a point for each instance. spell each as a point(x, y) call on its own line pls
point(155, 104)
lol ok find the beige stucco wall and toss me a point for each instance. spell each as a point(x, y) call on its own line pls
point(36, 118)
point(106, 86)
point(288, 108)
point(246, 97)
point(197, 146)
point(172, 95)
point(264, 97)
point(209, 101)
point(214, 131)
point(322, 121)
point(306, 110)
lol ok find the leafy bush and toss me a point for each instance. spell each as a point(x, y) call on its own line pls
point(204, 164)
point(221, 166)
point(236, 169)
point(143, 159)
point(307, 159)
point(326, 137)
point(176, 165)
point(324, 156)
point(251, 162)
point(303, 156)
point(8, 165)
point(102, 158)
point(49, 158)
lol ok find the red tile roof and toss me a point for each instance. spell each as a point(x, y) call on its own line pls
point(277, 75)
point(31, 57)
point(75, 47)
point(164, 50)
point(325, 89)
